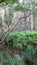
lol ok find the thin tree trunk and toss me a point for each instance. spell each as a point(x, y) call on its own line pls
point(25, 22)
point(12, 28)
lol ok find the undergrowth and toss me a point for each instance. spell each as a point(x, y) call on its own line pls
point(20, 40)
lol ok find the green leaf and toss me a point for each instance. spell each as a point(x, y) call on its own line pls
point(20, 7)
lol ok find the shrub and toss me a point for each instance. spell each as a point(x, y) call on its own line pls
point(18, 39)
point(6, 59)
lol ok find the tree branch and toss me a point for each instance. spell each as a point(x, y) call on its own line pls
point(12, 28)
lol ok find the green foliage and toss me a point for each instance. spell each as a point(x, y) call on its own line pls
point(17, 7)
point(20, 7)
point(18, 61)
point(11, 1)
point(6, 59)
point(6, 2)
point(18, 46)
point(30, 54)
point(20, 39)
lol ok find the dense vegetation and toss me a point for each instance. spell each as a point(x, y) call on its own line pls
point(20, 40)
point(18, 48)
point(6, 59)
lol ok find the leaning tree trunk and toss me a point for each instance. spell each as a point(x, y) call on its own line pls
point(12, 28)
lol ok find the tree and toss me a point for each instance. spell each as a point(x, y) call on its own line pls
point(17, 7)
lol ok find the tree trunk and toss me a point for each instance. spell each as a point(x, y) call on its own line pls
point(12, 28)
